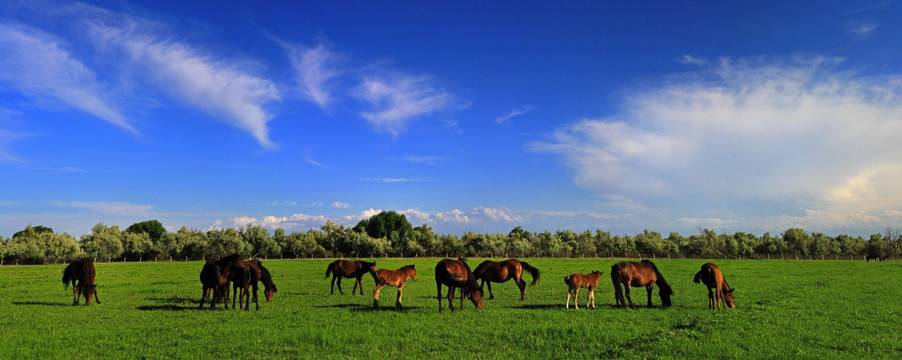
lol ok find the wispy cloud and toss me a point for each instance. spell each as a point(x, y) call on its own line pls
point(314, 69)
point(108, 207)
point(394, 180)
point(693, 60)
point(863, 30)
point(398, 99)
point(515, 112)
point(424, 160)
point(766, 139)
point(221, 89)
point(41, 66)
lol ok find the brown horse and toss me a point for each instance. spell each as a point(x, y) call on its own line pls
point(215, 277)
point(711, 276)
point(395, 278)
point(348, 269)
point(636, 274)
point(457, 274)
point(576, 281)
point(263, 275)
point(502, 271)
point(244, 278)
point(81, 274)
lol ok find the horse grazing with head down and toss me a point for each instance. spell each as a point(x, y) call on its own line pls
point(711, 276)
point(80, 273)
point(244, 278)
point(348, 269)
point(636, 274)
point(457, 274)
point(502, 271)
point(395, 278)
point(215, 277)
point(263, 275)
point(576, 281)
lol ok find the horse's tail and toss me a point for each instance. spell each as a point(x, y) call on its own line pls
point(68, 275)
point(532, 271)
point(329, 269)
point(698, 277)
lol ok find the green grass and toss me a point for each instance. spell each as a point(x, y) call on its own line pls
point(786, 309)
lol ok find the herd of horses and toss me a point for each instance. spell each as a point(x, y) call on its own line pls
point(244, 275)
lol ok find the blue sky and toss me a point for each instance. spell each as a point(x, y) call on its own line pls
point(467, 116)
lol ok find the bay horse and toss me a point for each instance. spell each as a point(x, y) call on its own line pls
point(636, 274)
point(348, 269)
point(711, 276)
point(576, 281)
point(80, 273)
point(457, 274)
point(263, 275)
point(395, 278)
point(215, 277)
point(244, 278)
point(502, 271)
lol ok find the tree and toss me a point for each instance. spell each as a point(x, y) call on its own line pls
point(258, 237)
point(225, 242)
point(798, 241)
point(137, 245)
point(153, 228)
point(389, 225)
point(103, 242)
point(33, 230)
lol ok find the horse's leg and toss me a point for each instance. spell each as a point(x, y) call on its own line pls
point(648, 289)
point(575, 297)
point(75, 295)
point(376, 295)
point(339, 285)
point(438, 284)
point(718, 295)
point(358, 283)
point(98, 298)
point(568, 298)
point(451, 298)
point(491, 296)
point(522, 285)
point(398, 302)
point(332, 292)
point(710, 298)
point(626, 288)
point(591, 297)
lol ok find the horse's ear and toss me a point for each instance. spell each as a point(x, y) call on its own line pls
point(730, 291)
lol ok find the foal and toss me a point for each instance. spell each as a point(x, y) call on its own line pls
point(576, 281)
point(711, 276)
point(395, 278)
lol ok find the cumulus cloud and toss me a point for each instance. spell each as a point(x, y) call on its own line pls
point(780, 140)
point(340, 205)
point(42, 66)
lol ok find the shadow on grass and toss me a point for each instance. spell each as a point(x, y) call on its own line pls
point(340, 306)
point(385, 308)
point(167, 308)
point(43, 303)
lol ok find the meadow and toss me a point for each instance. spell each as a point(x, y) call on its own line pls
point(786, 309)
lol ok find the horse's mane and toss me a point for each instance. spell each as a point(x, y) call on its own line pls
point(661, 281)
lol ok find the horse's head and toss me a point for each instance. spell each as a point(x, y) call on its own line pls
point(413, 273)
point(269, 292)
point(368, 266)
point(476, 297)
point(665, 293)
point(728, 298)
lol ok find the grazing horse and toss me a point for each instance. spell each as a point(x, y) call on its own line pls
point(348, 269)
point(502, 271)
point(269, 288)
point(215, 277)
point(711, 276)
point(81, 274)
point(874, 257)
point(457, 274)
point(244, 277)
point(636, 274)
point(576, 281)
point(395, 278)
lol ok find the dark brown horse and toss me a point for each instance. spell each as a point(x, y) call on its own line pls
point(244, 277)
point(215, 277)
point(81, 274)
point(718, 289)
point(636, 274)
point(269, 288)
point(457, 274)
point(576, 281)
point(348, 269)
point(502, 271)
point(395, 278)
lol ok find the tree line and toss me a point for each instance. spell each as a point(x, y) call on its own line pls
point(390, 234)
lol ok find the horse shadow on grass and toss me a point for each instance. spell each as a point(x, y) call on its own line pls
point(42, 303)
point(385, 308)
point(174, 303)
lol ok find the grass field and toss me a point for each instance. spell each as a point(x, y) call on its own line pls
point(786, 309)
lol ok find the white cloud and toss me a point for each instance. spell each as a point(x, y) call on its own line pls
point(41, 66)
point(693, 60)
point(862, 31)
point(109, 207)
point(515, 112)
point(394, 180)
point(398, 99)
point(340, 205)
point(776, 141)
point(223, 90)
point(314, 69)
